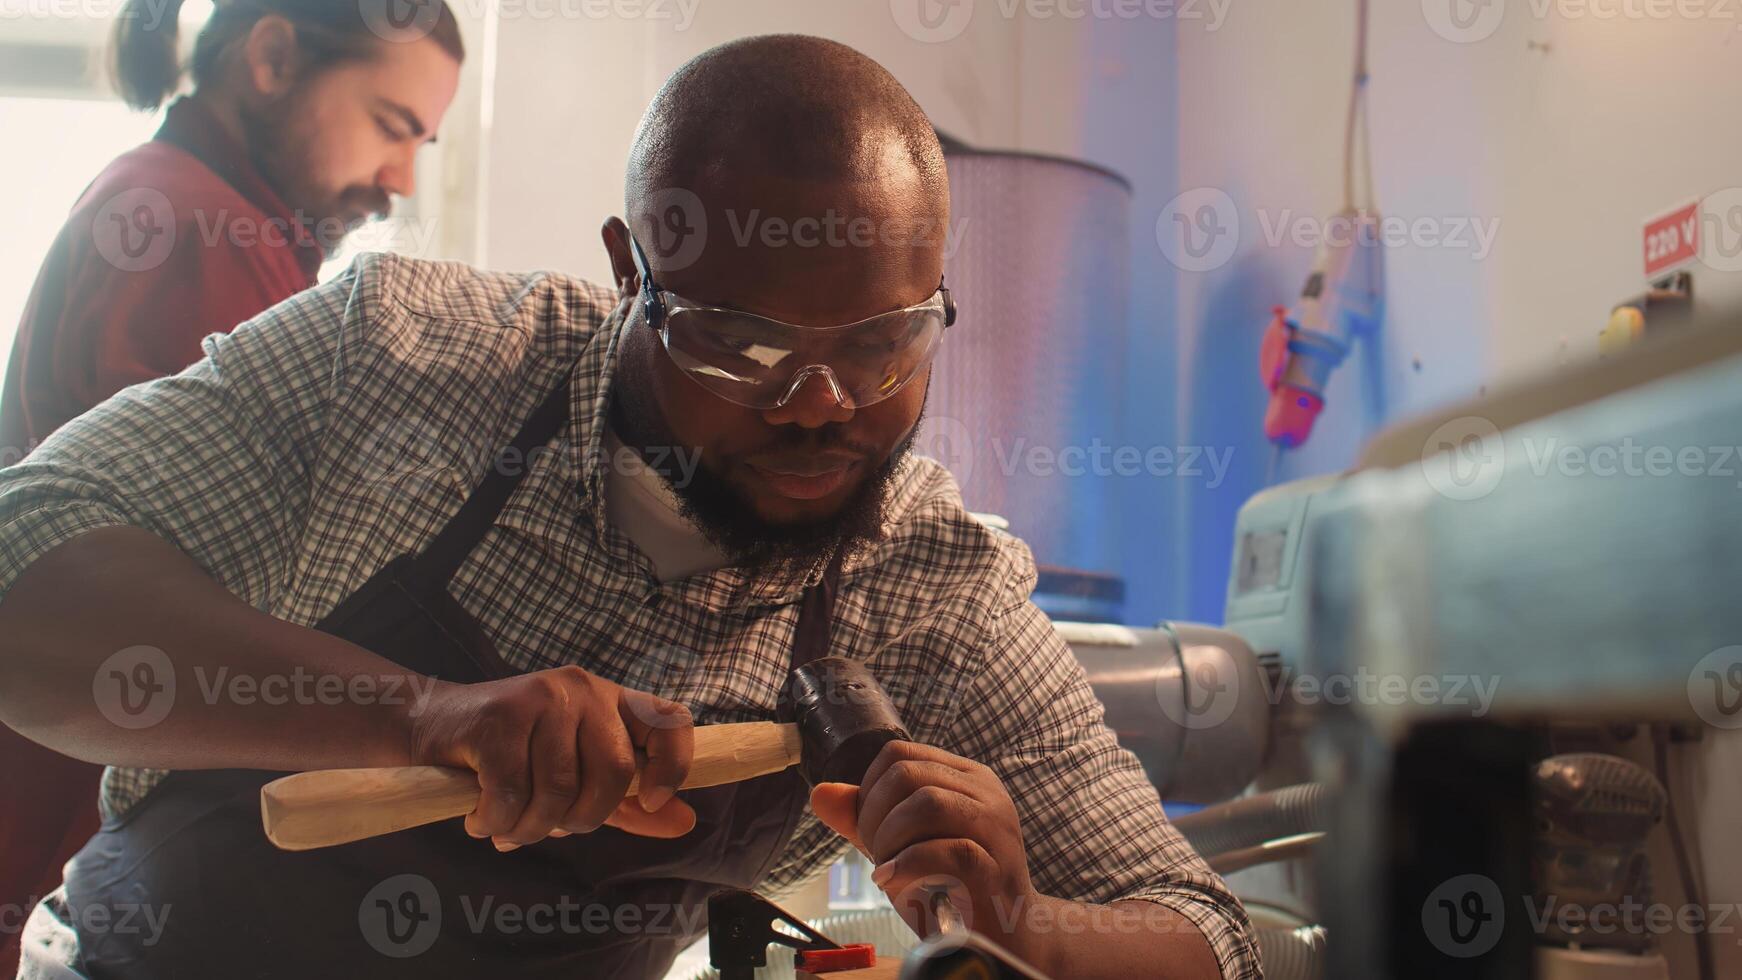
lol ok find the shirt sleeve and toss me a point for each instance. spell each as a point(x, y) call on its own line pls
point(216, 460)
point(1091, 820)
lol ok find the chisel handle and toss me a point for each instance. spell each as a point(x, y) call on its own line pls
point(325, 807)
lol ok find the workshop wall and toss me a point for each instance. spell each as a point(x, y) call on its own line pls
point(1557, 134)
point(1553, 153)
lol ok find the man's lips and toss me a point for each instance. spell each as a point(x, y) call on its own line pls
point(805, 477)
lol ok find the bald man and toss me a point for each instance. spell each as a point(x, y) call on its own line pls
point(538, 528)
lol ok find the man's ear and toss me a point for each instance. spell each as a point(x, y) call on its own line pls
point(616, 236)
point(270, 57)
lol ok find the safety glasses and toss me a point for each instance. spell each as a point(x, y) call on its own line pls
point(761, 363)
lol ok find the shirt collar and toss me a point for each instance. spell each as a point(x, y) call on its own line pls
point(191, 126)
point(729, 587)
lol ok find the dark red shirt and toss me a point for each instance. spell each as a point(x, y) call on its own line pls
point(176, 239)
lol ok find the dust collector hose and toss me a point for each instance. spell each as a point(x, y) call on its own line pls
point(1254, 820)
point(1293, 954)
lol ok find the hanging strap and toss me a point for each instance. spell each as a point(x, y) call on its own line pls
point(454, 542)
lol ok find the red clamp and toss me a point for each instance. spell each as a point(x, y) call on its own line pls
point(857, 956)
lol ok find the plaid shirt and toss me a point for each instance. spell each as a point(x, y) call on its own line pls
point(345, 426)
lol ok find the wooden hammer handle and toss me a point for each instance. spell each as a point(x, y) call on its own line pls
point(337, 806)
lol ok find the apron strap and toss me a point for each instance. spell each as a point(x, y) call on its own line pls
point(816, 615)
point(455, 541)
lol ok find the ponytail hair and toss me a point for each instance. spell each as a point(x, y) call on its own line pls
point(143, 57)
point(145, 64)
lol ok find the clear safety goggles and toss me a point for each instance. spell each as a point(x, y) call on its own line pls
point(761, 363)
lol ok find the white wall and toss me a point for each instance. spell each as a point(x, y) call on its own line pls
point(569, 93)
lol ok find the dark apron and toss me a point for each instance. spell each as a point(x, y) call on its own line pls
point(432, 901)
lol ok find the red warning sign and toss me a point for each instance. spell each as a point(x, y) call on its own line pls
point(1672, 240)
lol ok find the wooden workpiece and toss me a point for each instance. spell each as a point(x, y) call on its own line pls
point(336, 806)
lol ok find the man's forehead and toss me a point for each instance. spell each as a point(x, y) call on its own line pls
point(807, 251)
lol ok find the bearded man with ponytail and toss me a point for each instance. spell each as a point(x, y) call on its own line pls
point(303, 121)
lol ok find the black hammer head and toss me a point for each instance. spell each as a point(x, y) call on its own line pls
point(844, 719)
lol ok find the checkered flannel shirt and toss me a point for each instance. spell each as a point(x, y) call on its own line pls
point(345, 426)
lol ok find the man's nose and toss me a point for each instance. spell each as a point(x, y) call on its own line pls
point(815, 402)
point(399, 175)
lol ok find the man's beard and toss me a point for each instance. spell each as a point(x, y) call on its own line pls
point(284, 162)
point(719, 509)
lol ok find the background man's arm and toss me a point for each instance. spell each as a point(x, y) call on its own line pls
point(168, 517)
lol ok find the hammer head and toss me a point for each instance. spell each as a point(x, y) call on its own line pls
point(844, 719)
